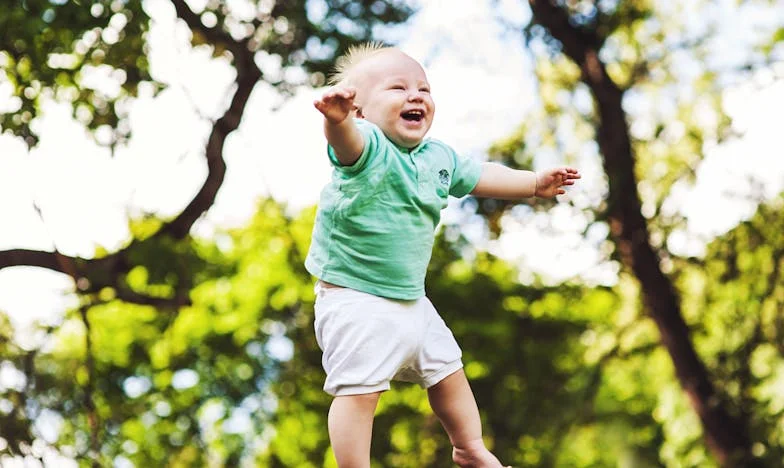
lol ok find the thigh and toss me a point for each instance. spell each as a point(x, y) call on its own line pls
point(350, 425)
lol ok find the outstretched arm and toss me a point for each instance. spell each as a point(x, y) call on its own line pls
point(337, 106)
point(499, 181)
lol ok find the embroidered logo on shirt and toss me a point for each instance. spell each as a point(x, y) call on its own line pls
point(443, 177)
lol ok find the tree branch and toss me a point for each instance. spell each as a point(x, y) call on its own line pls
point(214, 35)
point(110, 268)
point(127, 295)
point(248, 74)
point(35, 258)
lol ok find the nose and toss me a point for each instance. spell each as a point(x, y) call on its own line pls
point(416, 96)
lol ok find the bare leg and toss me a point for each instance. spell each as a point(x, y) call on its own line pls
point(350, 424)
point(454, 404)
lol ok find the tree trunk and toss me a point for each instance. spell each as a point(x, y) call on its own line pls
point(725, 435)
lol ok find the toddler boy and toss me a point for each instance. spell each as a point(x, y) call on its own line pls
point(372, 242)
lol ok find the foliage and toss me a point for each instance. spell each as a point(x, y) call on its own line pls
point(53, 50)
point(182, 387)
point(228, 373)
point(673, 76)
point(735, 294)
point(552, 367)
point(206, 384)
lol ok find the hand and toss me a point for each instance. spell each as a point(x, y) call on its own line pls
point(337, 103)
point(549, 183)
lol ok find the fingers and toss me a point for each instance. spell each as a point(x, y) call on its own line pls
point(569, 173)
point(562, 177)
point(339, 93)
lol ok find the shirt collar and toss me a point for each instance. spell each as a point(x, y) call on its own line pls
point(413, 150)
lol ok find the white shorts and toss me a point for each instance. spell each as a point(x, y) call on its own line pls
point(368, 340)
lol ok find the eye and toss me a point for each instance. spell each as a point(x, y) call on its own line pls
point(424, 90)
point(398, 87)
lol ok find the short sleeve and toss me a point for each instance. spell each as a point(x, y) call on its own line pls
point(370, 135)
point(465, 176)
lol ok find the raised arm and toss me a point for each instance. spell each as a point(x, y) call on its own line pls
point(499, 181)
point(337, 106)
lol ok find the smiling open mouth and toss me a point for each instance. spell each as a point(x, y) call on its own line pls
point(413, 115)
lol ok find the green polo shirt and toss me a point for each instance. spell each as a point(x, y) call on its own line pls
point(376, 220)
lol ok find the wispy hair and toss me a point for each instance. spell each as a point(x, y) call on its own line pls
point(355, 55)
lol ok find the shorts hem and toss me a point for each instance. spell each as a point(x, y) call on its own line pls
point(358, 389)
point(441, 374)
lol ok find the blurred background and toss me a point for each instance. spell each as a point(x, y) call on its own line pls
point(160, 162)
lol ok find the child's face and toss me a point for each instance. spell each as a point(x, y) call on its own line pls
point(393, 93)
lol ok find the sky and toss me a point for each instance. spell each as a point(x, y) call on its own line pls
point(482, 85)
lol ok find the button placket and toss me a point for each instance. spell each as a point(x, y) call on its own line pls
point(417, 163)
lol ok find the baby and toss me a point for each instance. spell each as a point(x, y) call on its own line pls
point(372, 242)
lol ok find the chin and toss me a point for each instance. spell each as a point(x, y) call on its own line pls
point(405, 137)
point(410, 143)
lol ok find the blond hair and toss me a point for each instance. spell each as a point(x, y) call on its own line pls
point(353, 57)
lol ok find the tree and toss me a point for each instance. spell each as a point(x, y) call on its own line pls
point(169, 356)
point(610, 51)
point(162, 387)
point(47, 50)
point(49, 47)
